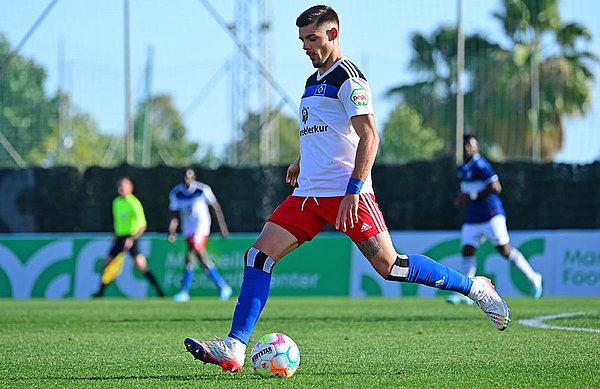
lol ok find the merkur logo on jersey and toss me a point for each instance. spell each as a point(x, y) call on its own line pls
point(313, 130)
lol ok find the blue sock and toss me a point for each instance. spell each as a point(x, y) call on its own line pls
point(420, 269)
point(253, 296)
point(216, 277)
point(187, 279)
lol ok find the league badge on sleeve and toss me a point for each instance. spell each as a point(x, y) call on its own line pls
point(359, 97)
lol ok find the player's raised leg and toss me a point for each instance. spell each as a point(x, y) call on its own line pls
point(229, 353)
point(416, 268)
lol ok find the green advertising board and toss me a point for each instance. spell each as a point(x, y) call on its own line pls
point(55, 266)
point(68, 265)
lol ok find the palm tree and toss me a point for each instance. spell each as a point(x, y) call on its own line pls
point(547, 67)
point(434, 95)
point(543, 65)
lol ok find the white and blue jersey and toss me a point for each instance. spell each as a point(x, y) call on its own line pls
point(474, 176)
point(192, 204)
point(328, 141)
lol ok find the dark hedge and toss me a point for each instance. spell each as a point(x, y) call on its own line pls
point(413, 196)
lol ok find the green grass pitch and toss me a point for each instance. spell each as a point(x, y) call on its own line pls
point(344, 343)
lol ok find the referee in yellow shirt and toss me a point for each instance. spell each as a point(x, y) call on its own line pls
point(129, 224)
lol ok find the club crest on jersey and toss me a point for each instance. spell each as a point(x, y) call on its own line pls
point(320, 91)
point(359, 97)
point(304, 114)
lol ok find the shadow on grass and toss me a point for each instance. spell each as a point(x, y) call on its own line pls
point(199, 377)
point(163, 320)
point(345, 319)
point(370, 319)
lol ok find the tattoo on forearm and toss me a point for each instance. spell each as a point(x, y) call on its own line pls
point(369, 247)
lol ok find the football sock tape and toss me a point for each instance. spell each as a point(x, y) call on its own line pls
point(259, 260)
point(399, 269)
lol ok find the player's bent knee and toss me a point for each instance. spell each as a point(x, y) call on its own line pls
point(399, 269)
point(382, 265)
point(259, 260)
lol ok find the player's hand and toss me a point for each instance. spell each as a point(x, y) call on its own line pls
point(461, 200)
point(224, 234)
point(128, 243)
point(171, 238)
point(347, 213)
point(292, 173)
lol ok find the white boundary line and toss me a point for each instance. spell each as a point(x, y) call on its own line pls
point(538, 322)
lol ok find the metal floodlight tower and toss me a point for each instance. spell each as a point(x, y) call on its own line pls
point(269, 134)
point(251, 93)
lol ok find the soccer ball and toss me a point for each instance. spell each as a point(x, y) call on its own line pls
point(275, 355)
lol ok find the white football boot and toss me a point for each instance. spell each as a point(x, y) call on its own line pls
point(228, 353)
point(182, 296)
point(225, 293)
point(485, 296)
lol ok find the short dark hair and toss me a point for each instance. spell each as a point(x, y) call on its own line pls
point(319, 14)
point(468, 137)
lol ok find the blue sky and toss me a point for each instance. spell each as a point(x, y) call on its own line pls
point(190, 48)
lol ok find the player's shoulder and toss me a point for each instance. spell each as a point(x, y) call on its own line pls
point(312, 80)
point(197, 189)
point(132, 199)
point(201, 186)
point(351, 70)
point(343, 71)
point(481, 162)
point(177, 190)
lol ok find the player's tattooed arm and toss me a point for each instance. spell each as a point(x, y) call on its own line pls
point(369, 247)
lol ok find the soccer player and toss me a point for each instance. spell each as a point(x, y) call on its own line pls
point(485, 217)
point(338, 144)
point(129, 224)
point(190, 201)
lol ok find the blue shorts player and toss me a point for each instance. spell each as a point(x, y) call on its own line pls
point(485, 217)
point(338, 145)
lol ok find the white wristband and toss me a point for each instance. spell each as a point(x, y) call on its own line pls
point(473, 195)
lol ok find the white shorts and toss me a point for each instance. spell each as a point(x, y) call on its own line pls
point(474, 234)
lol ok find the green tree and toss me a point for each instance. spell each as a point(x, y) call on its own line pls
point(405, 138)
point(498, 94)
point(434, 62)
point(166, 141)
point(27, 116)
point(44, 130)
point(564, 74)
point(247, 149)
point(73, 141)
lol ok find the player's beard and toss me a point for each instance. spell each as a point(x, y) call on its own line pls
point(318, 64)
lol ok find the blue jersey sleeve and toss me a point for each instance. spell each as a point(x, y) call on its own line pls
point(485, 171)
point(474, 177)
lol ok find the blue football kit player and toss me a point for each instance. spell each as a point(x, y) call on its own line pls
point(485, 217)
point(338, 145)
